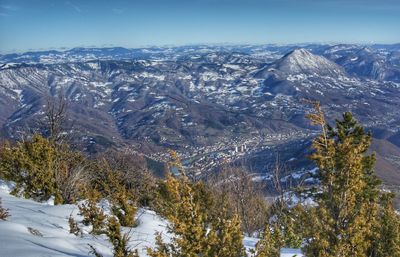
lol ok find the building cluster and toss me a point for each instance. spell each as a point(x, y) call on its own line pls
point(206, 158)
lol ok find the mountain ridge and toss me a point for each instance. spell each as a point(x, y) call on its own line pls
point(198, 100)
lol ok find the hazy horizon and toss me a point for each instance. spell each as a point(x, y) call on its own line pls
point(35, 25)
point(64, 49)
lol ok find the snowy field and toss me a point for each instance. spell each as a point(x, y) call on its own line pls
point(50, 235)
point(41, 229)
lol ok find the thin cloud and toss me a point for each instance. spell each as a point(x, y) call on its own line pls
point(7, 10)
point(73, 6)
point(8, 7)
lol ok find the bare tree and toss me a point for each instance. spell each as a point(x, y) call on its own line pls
point(70, 175)
point(277, 172)
point(235, 186)
point(282, 187)
point(55, 112)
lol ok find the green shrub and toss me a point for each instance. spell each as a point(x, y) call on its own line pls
point(42, 169)
point(30, 165)
point(93, 215)
point(112, 186)
point(118, 240)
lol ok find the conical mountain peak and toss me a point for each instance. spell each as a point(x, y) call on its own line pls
point(302, 61)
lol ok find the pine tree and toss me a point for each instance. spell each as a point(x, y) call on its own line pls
point(225, 237)
point(93, 215)
point(270, 242)
point(168, 196)
point(188, 223)
point(118, 240)
point(284, 230)
point(386, 240)
point(123, 209)
point(111, 185)
point(122, 205)
point(195, 234)
point(348, 194)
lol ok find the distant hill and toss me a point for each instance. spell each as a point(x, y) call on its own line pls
point(206, 101)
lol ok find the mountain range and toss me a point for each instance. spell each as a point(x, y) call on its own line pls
point(210, 103)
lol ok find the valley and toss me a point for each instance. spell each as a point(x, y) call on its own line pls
point(212, 104)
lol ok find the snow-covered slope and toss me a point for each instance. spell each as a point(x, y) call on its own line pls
point(301, 61)
point(50, 224)
point(54, 239)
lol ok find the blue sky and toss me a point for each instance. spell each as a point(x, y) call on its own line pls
point(49, 24)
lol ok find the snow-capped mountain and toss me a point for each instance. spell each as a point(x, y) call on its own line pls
point(301, 61)
point(201, 99)
point(366, 62)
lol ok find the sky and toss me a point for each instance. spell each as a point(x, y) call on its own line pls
point(27, 25)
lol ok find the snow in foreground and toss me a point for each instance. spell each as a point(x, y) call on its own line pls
point(40, 229)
